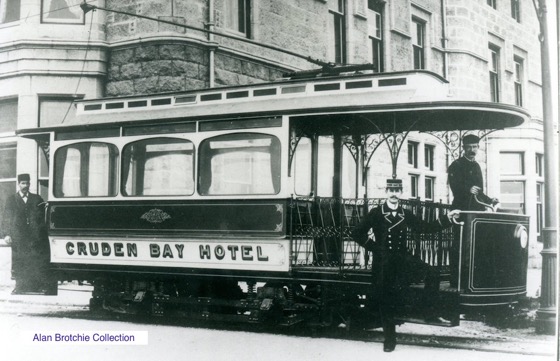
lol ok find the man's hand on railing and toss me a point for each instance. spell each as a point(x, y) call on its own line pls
point(454, 215)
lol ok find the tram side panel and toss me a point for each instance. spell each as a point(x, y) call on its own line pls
point(494, 255)
point(169, 237)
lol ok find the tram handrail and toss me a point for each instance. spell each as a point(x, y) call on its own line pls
point(489, 206)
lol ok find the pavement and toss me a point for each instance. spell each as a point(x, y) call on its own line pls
point(470, 334)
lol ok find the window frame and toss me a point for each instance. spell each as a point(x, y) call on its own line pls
point(243, 25)
point(113, 165)
point(154, 141)
point(338, 18)
point(418, 44)
point(12, 122)
point(412, 157)
point(13, 11)
point(494, 73)
point(414, 182)
point(516, 10)
point(429, 156)
point(80, 20)
point(375, 10)
point(491, 3)
point(43, 99)
point(204, 160)
point(518, 66)
point(521, 163)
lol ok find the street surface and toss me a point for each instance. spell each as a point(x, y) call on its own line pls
point(22, 317)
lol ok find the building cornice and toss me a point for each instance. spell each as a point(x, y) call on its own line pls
point(63, 44)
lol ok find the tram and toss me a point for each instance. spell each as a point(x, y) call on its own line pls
point(212, 204)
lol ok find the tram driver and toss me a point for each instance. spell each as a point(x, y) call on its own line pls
point(394, 269)
point(465, 179)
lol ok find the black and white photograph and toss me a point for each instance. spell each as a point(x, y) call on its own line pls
point(307, 180)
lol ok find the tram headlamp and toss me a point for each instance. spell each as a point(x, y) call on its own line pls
point(521, 234)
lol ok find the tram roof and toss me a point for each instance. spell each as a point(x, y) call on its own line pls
point(353, 104)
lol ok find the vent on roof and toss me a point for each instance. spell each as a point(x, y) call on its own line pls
point(137, 103)
point(209, 97)
point(238, 94)
point(392, 82)
point(119, 105)
point(359, 84)
point(293, 89)
point(327, 87)
point(88, 107)
point(162, 101)
point(264, 92)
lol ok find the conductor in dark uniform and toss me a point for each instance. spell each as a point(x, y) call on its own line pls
point(393, 267)
point(465, 179)
point(24, 228)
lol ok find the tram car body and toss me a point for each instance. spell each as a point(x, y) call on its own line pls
point(167, 203)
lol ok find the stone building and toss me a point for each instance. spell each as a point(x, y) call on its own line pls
point(52, 53)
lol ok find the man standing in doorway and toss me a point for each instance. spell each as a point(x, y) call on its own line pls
point(465, 179)
point(23, 227)
point(394, 268)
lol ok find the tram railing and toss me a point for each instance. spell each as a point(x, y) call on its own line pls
point(321, 233)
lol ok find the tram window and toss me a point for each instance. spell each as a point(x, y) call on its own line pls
point(85, 170)
point(325, 167)
point(235, 164)
point(158, 167)
point(348, 174)
point(302, 167)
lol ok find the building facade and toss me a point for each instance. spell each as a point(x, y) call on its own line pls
point(51, 53)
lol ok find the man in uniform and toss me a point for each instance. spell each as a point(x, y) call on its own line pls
point(24, 228)
point(393, 267)
point(465, 179)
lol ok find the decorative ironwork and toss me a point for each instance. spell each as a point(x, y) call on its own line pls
point(155, 215)
point(295, 137)
point(321, 232)
point(452, 140)
point(353, 144)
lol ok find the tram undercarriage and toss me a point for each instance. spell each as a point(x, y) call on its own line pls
point(313, 304)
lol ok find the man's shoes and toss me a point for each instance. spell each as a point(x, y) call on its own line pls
point(389, 346)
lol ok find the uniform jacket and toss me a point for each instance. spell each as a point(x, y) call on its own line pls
point(24, 222)
point(462, 175)
point(391, 231)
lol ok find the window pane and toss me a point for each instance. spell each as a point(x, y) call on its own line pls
point(9, 11)
point(302, 167)
point(158, 167)
point(512, 195)
point(325, 167)
point(413, 186)
point(67, 11)
point(511, 163)
point(348, 174)
point(429, 188)
point(238, 16)
point(85, 170)
point(429, 157)
point(8, 161)
point(8, 115)
point(56, 111)
point(240, 164)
